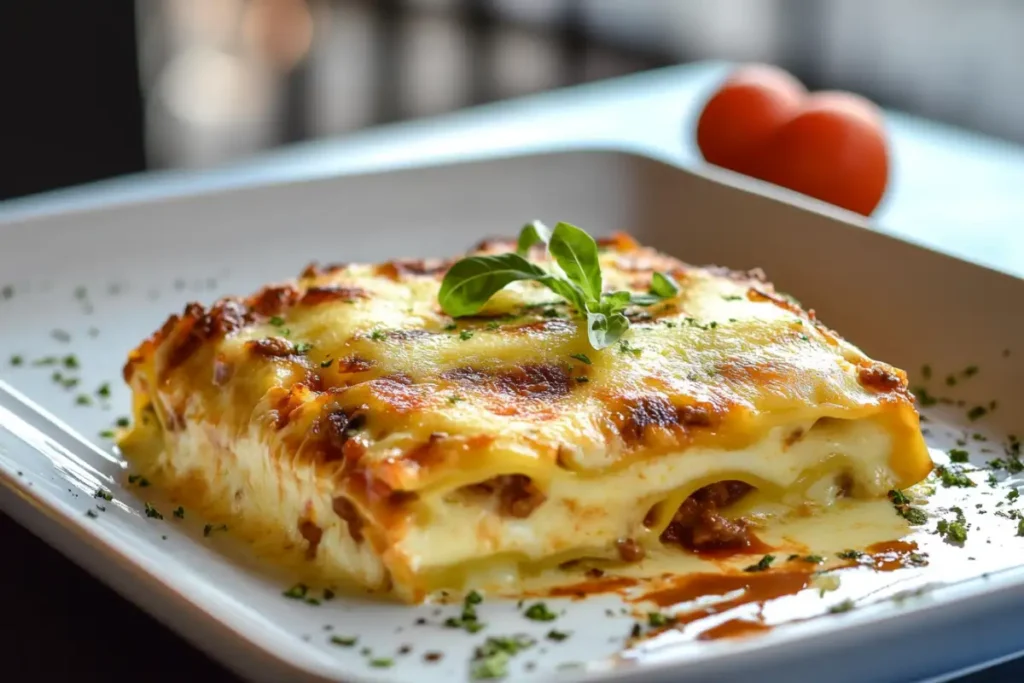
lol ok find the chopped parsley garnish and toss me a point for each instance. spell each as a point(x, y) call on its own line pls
point(152, 512)
point(958, 455)
point(276, 321)
point(582, 379)
point(210, 528)
point(976, 413)
point(581, 357)
point(953, 531)
point(122, 422)
point(1013, 495)
point(297, 592)
point(454, 399)
point(539, 612)
point(83, 400)
point(328, 594)
point(378, 335)
point(953, 477)
point(179, 512)
point(491, 659)
point(108, 433)
point(900, 501)
point(103, 495)
point(849, 555)
point(91, 513)
point(138, 479)
point(733, 297)
point(466, 335)
point(557, 636)
point(926, 371)
point(812, 559)
point(71, 362)
point(659, 620)
point(924, 398)
point(950, 381)
point(761, 565)
point(970, 371)
point(326, 363)
point(382, 662)
point(104, 390)
point(344, 641)
point(1020, 528)
point(17, 360)
point(450, 327)
point(303, 348)
point(46, 360)
point(626, 347)
point(468, 620)
point(844, 606)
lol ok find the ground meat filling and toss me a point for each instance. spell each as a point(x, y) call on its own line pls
point(698, 525)
point(516, 493)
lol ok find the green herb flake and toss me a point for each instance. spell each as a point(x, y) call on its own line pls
point(326, 363)
point(138, 479)
point(958, 455)
point(328, 594)
point(378, 335)
point(950, 381)
point(122, 422)
point(761, 565)
point(46, 360)
point(107, 434)
point(924, 398)
point(104, 390)
point(297, 592)
point(466, 335)
point(970, 371)
point(490, 660)
point(849, 555)
point(302, 348)
point(926, 371)
point(450, 327)
point(276, 321)
point(626, 347)
point(83, 400)
point(582, 379)
point(976, 413)
point(152, 512)
point(557, 636)
point(210, 528)
point(844, 606)
point(1020, 528)
point(382, 662)
point(953, 477)
point(71, 362)
point(344, 641)
point(659, 620)
point(812, 559)
point(179, 512)
point(102, 494)
point(1013, 495)
point(581, 357)
point(91, 513)
point(17, 360)
point(539, 612)
point(733, 297)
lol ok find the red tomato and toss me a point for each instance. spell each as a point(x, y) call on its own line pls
point(745, 112)
point(829, 145)
point(835, 150)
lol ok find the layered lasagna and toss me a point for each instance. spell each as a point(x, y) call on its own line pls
point(345, 421)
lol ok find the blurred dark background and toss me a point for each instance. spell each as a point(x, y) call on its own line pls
point(106, 87)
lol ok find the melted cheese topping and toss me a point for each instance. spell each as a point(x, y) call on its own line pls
point(345, 414)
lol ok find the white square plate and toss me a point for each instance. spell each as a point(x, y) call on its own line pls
point(95, 283)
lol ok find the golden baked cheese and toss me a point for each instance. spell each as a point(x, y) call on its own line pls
point(344, 415)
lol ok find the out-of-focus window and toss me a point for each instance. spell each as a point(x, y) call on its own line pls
point(226, 78)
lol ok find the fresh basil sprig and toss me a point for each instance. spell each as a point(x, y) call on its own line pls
point(472, 281)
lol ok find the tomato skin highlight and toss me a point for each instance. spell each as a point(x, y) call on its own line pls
point(834, 150)
point(745, 112)
point(829, 145)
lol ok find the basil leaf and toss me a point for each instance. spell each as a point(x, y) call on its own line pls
point(613, 303)
point(532, 233)
point(604, 330)
point(644, 299)
point(567, 291)
point(576, 254)
point(472, 281)
point(664, 286)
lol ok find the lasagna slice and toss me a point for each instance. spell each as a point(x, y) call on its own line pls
point(343, 420)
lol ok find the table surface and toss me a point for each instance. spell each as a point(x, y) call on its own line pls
point(950, 190)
